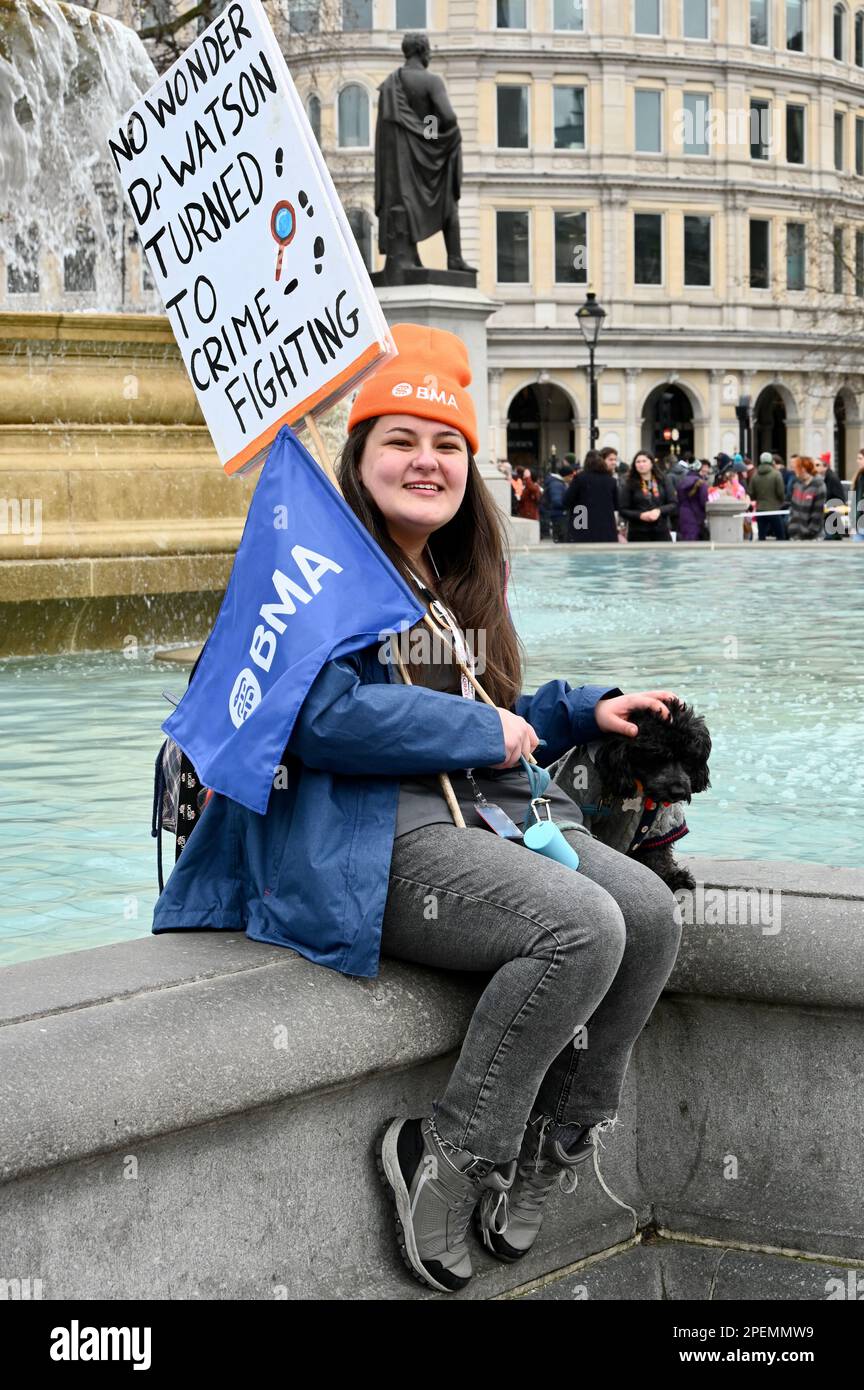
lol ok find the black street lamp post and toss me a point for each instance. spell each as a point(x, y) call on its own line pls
point(590, 318)
point(745, 427)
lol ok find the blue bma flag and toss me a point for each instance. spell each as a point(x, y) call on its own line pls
point(308, 584)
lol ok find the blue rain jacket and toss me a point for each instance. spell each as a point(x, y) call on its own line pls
point(313, 873)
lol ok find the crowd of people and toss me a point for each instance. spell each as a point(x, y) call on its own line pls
point(653, 500)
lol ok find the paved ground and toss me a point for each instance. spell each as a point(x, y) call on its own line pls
point(671, 1270)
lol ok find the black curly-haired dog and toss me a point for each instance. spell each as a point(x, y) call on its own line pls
point(632, 790)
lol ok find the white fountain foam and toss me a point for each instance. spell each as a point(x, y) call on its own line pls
point(66, 76)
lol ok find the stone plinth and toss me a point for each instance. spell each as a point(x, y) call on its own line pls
point(465, 312)
point(726, 520)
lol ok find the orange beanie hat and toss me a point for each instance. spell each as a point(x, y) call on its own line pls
point(428, 378)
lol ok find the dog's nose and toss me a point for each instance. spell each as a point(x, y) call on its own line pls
point(677, 793)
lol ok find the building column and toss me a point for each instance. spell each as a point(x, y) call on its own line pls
point(737, 260)
point(633, 425)
point(715, 421)
point(804, 443)
point(613, 203)
point(497, 427)
point(746, 390)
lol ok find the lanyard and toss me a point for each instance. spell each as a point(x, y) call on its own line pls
point(538, 777)
point(464, 658)
point(492, 816)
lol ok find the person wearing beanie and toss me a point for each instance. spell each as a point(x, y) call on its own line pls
point(767, 491)
point(692, 490)
point(395, 877)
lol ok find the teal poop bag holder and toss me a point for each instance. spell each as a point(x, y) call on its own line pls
point(543, 835)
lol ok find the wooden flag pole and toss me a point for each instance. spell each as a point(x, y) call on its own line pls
point(327, 464)
point(321, 450)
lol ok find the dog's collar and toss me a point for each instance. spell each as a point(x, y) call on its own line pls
point(649, 804)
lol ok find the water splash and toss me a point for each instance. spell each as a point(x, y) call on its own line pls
point(66, 76)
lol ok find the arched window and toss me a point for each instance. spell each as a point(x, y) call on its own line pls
point(313, 111)
point(361, 225)
point(859, 39)
point(353, 117)
point(840, 32)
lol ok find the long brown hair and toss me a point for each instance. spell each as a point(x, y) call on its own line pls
point(633, 476)
point(470, 551)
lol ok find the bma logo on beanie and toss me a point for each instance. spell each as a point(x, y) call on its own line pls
point(429, 393)
point(426, 393)
point(434, 357)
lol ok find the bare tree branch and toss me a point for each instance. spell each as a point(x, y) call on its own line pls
point(165, 28)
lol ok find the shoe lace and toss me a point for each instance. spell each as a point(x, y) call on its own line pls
point(459, 1202)
point(535, 1177)
point(567, 1177)
point(495, 1207)
point(462, 1208)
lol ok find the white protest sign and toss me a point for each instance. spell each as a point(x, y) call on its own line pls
point(246, 238)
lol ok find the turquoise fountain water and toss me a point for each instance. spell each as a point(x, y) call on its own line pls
point(767, 645)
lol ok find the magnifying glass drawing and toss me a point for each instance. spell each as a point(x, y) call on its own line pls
point(283, 225)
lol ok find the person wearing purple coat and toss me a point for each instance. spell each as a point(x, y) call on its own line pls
point(692, 500)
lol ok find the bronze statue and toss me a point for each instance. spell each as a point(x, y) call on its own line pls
point(418, 168)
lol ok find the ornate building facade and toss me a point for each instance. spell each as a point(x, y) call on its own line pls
point(698, 164)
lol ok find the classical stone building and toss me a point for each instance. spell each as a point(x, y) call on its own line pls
point(699, 164)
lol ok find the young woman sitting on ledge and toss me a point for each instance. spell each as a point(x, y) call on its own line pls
point(359, 857)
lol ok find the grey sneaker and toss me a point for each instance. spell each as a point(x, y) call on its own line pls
point(550, 1153)
point(434, 1190)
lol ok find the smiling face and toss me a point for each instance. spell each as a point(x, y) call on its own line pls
point(416, 472)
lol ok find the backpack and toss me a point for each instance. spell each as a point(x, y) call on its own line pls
point(179, 796)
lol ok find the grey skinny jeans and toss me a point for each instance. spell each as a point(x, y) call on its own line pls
point(566, 948)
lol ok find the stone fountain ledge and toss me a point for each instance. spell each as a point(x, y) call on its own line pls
point(190, 1115)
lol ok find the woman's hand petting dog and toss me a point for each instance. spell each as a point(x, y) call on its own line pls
point(611, 714)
